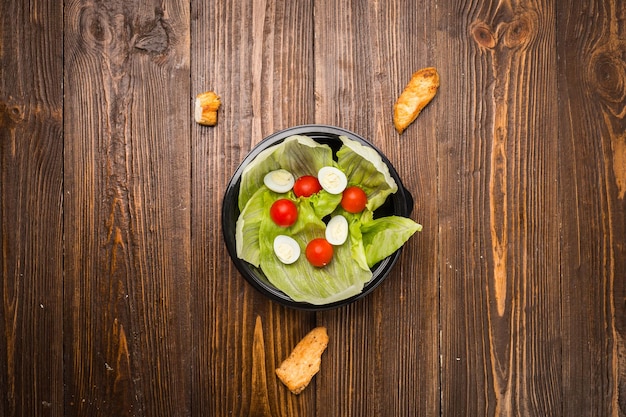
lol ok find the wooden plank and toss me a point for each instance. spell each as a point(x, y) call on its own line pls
point(592, 122)
point(257, 55)
point(498, 213)
point(31, 241)
point(127, 205)
point(383, 356)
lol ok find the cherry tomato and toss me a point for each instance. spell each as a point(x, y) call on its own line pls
point(319, 252)
point(354, 199)
point(284, 212)
point(306, 186)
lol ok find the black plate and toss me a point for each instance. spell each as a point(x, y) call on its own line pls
point(399, 204)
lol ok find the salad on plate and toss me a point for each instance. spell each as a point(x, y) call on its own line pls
point(308, 218)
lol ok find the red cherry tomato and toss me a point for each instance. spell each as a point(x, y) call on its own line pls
point(319, 252)
point(354, 199)
point(306, 186)
point(284, 212)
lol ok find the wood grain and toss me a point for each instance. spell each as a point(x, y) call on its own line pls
point(117, 294)
point(127, 203)
point(257, 55)
point(384, 352)
point(499, 212)
point(31, 212)
point(592, 123)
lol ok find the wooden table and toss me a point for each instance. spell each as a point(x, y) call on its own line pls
point(118, 296)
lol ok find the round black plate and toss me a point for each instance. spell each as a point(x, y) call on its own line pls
point(399, 204)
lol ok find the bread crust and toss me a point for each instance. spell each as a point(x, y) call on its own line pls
point(206, 106)
point(304, 361)
point(420, 90)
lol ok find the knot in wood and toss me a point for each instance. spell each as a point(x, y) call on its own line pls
point(519, 31)
point(483, 35)
point(153, 36)
point(607, 74)
point(10, 115)
point(155, 41)
point(94, 26)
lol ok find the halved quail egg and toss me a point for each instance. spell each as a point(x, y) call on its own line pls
point(279, 181)
point(337, 230)
point(332, 180)
point(286, 249)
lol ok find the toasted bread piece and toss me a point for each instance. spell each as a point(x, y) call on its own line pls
point(416, 95)
point(206, 107)
point(304, 361)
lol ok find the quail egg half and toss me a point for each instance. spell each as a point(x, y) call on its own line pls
point(332, 179)
point(279, 181)
point(286, 249)
point(337, 230)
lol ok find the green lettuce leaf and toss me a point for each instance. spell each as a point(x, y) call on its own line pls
point(299, 155)
point(384, 236)
point(323, 202)
point(356, 238)
point(365, 168)
point(301, 281)
point(248, 226)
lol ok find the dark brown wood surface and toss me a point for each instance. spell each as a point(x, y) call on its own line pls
point(118, 297)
